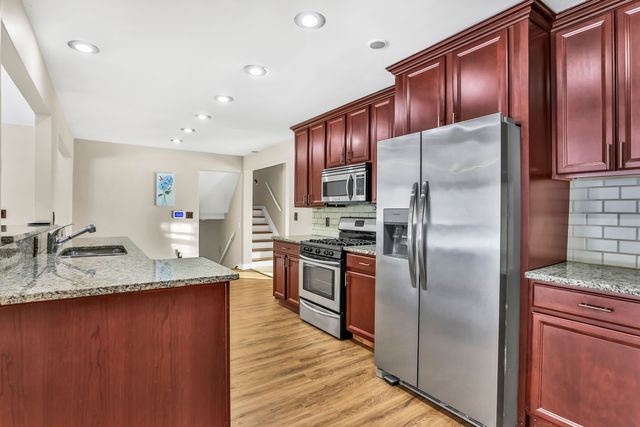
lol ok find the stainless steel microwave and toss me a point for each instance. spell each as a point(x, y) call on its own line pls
point(346, 184)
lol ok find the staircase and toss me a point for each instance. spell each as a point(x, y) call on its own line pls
point(261, 243)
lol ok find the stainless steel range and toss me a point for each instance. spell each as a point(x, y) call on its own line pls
point(322, 274)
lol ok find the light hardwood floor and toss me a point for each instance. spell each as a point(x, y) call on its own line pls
point(287, 373)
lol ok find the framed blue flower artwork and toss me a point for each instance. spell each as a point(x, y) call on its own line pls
point(165, 189)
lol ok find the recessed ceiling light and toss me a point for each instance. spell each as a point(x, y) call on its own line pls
point(255, 70)
point(378, 44)
point(176, 140)
point(83, 47)
point(223, 98)
point(188, 130)
point(310, 20)
point(203, 116)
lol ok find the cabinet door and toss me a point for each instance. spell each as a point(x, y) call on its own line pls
point(381, 128)
point(583, 374)
point(424, 96)
point(279, 275)
point(336, 142)
point(584, 97)
point(301, 168)
point(316, 164)
point(358, 135)
point(361, 297)
point(628, 42)
point(293, 272)
point(479, 78)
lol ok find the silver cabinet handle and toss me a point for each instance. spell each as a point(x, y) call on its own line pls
point(365, 264)
point(595, 307)
point(422, 233)
point(411, 231)
point(318, 262)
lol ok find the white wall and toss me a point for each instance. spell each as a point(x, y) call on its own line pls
point(279, 153)
point(20, 55)
point(17, 179)
point(211, 241)
point(275, 176)
point(114, 189)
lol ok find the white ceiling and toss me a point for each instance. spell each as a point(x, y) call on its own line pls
point(161, 61)
point(14, 108)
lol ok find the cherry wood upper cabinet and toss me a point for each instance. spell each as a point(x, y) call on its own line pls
point(628, 70)
point(316, 164)
point(584, 96)
point(423, 97)
point(336, 142)
point(381, 129)
point(301, 168)
point(358, 135)
point(479, 82)
point(582, 374)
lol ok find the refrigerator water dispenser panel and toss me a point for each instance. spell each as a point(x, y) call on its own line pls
point(395, 232)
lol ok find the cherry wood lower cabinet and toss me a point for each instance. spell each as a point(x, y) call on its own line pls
point(286, 263)
point(149, 358)
point(361, 295)
point(585, 358)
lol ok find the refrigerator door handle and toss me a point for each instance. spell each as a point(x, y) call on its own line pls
point(422, 234)
point(411, 234)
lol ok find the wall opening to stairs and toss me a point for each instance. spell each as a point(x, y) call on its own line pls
point(268, 215)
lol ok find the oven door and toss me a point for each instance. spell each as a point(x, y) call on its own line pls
point(320, 282)
point(337, 187)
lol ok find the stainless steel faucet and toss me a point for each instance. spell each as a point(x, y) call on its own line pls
point(53, 241)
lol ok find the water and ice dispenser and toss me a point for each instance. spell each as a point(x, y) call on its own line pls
point(395, 232)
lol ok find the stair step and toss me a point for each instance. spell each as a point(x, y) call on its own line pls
point(262, 250)
point(262, 259)
point(261, 232)
point(261, 240)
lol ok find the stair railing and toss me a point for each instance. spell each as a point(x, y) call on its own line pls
point(226, 248)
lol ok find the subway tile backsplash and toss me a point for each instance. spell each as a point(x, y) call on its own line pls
point(604, 221)
point(334, 214)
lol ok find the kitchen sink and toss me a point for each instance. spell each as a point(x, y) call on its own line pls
point(93, 251)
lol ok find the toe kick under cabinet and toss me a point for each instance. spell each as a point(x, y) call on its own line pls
point(585, 358)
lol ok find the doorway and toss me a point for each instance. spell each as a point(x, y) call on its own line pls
point(268, 216)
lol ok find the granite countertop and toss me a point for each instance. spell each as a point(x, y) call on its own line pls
point(51, 277)
point(362, 250)
point(13, 233)
point(591, 276)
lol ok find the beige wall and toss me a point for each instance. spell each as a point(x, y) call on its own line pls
point(21, 57)
point(275, 176)
point(276, 154)
point(114, 189)
point(17, 177)
point(211, 241)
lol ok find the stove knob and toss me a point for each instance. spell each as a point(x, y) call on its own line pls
point(318, 251)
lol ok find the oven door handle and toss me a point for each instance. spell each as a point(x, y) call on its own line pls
point(315, 310)
point(331, 263)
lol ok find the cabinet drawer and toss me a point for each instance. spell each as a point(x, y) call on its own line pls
point(361, 263)
point(286, 248)
point(597, 307)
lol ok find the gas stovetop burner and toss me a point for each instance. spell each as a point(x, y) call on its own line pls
point(341, 242)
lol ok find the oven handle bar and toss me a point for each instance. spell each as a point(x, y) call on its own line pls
point(335, 264)
point(315, 310)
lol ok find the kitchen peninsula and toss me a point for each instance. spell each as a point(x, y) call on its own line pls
point(114, 340)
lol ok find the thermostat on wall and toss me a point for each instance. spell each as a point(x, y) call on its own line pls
point(178, 214)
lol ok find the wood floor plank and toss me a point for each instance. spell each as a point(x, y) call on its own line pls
point(285, 372)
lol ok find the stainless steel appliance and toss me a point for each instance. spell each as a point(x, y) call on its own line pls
point(447, 274)
point(322, 271)
point(346, 184)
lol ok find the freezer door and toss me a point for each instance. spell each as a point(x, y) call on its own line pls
point(396, 327)
point(464, 213)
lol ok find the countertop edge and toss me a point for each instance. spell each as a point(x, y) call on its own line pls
point(115, 289)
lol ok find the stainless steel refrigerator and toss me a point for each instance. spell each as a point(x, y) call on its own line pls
point(448, 266)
